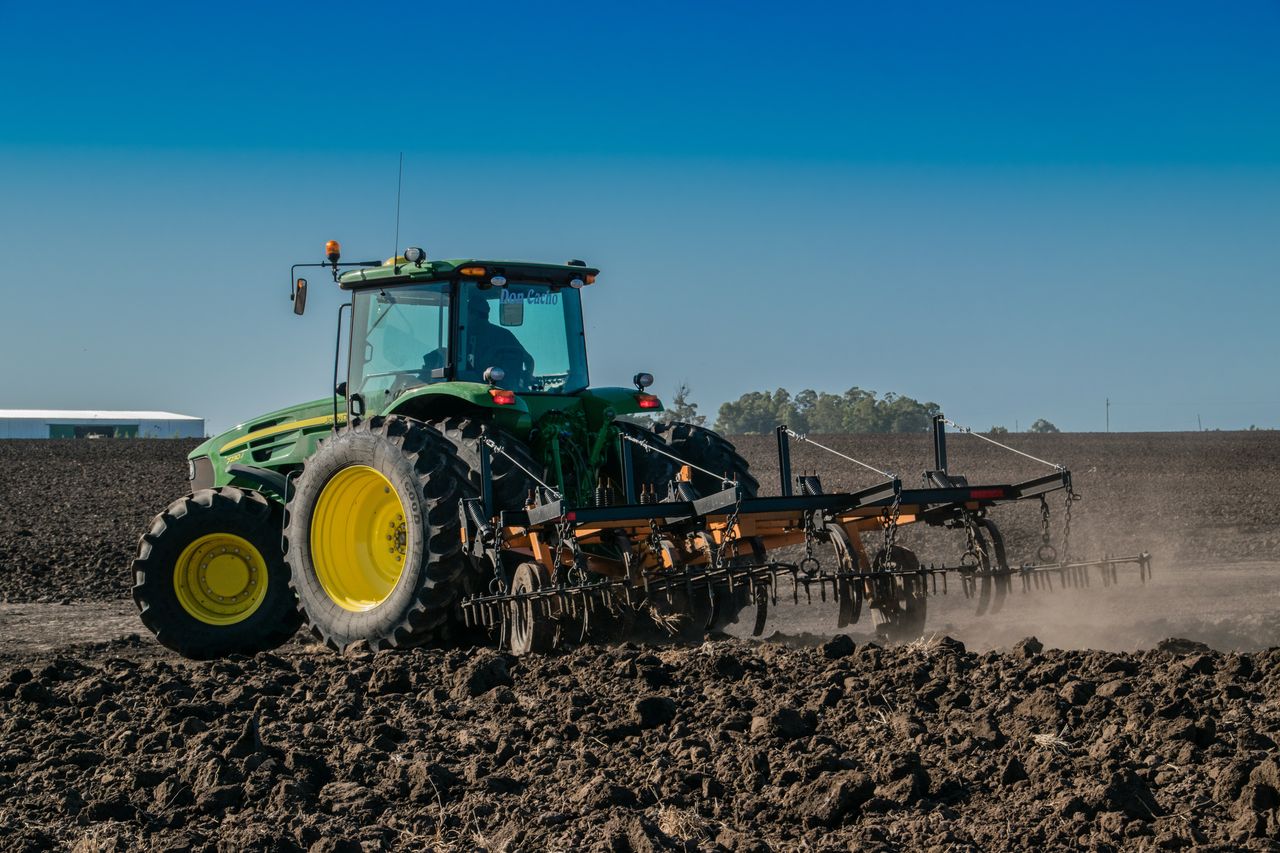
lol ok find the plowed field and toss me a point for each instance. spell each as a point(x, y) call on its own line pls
point(977, 740)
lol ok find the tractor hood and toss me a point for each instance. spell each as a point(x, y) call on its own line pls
point(317, 413)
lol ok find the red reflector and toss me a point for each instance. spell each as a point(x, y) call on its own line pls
point(502, 396)
point(570, 516)
point(648, 401)
point(985, 494)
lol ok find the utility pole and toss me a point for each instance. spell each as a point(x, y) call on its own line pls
point(1108, 414)
point(1198, 423)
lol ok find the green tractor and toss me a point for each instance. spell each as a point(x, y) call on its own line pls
point(347, 513)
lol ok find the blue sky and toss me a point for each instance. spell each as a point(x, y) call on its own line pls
point(1010, 209)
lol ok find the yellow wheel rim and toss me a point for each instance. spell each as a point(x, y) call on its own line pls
point(220, 579)
point(359, 538)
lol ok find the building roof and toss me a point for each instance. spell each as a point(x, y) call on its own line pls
point(90, 415)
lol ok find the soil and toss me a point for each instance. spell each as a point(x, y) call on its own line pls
point(801, 742)
point(71, 512)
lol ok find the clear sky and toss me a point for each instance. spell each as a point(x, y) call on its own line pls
point(1015, 210)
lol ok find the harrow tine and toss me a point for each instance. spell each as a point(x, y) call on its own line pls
point(984, 595)
point(762, 610)
point(850, 598)
point(1003, 585)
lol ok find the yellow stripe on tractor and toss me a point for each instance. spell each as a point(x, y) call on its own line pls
point(279, 428)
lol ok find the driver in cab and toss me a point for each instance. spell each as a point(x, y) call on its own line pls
point(490, 345)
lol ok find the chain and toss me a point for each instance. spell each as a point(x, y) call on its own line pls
point(1046, 553)
point(810, 565)
point(972, 557)
point(730, 544)
point(1072, 497)
point(891, 514)
point(1044, 522)
point(566, 536)
point(655, 539)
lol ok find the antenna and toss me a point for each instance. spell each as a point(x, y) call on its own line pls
point(395, 250)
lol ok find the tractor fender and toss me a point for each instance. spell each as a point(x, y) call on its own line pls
point(461, 398)
point(261, 478)
point(623, 401)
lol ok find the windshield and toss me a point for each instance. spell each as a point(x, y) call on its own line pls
point(399, 340)
point(532, 331)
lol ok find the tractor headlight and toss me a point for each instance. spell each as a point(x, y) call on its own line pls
point(642, 380)
point(200, 473)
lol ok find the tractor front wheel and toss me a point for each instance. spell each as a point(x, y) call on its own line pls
point(210, 579)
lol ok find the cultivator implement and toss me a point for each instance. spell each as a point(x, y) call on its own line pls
point(690, 563)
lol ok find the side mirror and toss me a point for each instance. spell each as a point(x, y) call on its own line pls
point(355, 406)
point(341, 390)
point(300, 296)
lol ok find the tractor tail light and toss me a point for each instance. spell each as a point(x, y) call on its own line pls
point(502, 396)
point(648, 401)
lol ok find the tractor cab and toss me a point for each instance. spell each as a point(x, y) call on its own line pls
point(522, 336)
point(497, 333)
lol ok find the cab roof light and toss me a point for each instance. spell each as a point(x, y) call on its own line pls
point(502, 396)
point(478, 272)
point(648, 401)
point(333, 251)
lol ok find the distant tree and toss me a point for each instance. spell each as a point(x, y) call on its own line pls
point(757, 411)
point(1042, 425)
point(681, 408)
point(998, 430)
point(856, 410)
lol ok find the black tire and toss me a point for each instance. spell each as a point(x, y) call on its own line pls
point(206, 513)
point(532, 629)
point(511, 485)
point(429, 480)
point(712, 451)
point(648, 469)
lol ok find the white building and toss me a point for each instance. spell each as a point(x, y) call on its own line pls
point(66, 423)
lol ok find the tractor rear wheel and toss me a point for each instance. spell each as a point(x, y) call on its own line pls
point(648, 469)
point(712, 451)
point(375, 551)
point(210, 579)
point(511, 484)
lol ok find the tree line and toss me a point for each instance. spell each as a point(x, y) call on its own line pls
point(856, 410)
